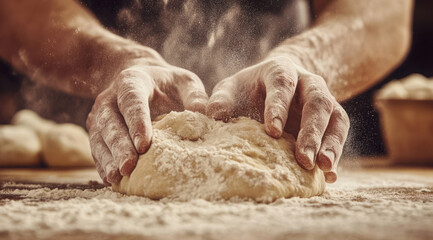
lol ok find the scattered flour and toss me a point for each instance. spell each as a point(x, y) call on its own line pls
point(360, 205)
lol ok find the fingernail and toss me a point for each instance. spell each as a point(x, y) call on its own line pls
point(327, 160)
point(140, 144)
point(197, 106)
point(220, 115)
point(331, 177)
point(113, 175)
point(278, 125)
point(137, 142)
point(127, 167)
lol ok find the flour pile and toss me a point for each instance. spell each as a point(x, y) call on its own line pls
point(193, 156)
point(361, 205)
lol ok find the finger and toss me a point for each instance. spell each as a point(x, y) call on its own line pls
point(101, 173)
point(112, 128)
point(222, 102)
point(317, 105)
point(191, 92)
point(333, 139)
point(91, 126)
point(102, 155)
point(333, 142)
point(133, 102)
point(331, 176)
point(280, 89)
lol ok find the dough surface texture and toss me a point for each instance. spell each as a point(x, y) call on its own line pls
point(63, 145)
point(193, 156)
point(19, 147)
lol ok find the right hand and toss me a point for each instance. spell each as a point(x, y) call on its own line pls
point(119, 123)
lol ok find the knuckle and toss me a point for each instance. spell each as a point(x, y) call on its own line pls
point(89, 121)
point(215, 105)
point(185, 76)
point(285, 83)
point(197, 97)
point(128, 98)
point(341, 115)
point(103, 118)
point(323, 101)
point(100, 99)
point(92, 139)
point(318, 78)
point(279, 100)
point(279, 65)
point(278, 110)
point(309, 137)
point(334, 141)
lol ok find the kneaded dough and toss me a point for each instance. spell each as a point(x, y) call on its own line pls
point(193, 156)
point(19, 147)
point(63, 145)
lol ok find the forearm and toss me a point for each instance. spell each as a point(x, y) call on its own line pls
point(60, 44)
point(352, 43)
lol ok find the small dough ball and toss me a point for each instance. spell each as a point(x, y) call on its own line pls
point(32, 120)
point(67, 145)
point(63, 145)
point(19, 147)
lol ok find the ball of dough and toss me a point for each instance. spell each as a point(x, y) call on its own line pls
point(63, 145)
point(193, 156)
point(67, 145)
point(33, 121)
point(19, 147)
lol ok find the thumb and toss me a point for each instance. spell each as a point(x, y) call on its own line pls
point(222, 102)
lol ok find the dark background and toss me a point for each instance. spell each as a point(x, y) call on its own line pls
point(364, 137)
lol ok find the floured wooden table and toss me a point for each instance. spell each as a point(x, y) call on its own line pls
point(373, 202)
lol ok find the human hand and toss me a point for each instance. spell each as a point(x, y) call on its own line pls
point(119, 123)
point(287, 97)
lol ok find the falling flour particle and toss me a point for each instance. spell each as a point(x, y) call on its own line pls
point(193, 156)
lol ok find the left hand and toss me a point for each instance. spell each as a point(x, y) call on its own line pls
point(287, 97)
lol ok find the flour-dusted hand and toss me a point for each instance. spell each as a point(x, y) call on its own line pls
point(287, 97)
point(120, 121)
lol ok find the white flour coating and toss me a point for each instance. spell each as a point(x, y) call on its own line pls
point(19, 146)
point(193, 156)
point(360, 205)
point(414, 86)
point(63, 145)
